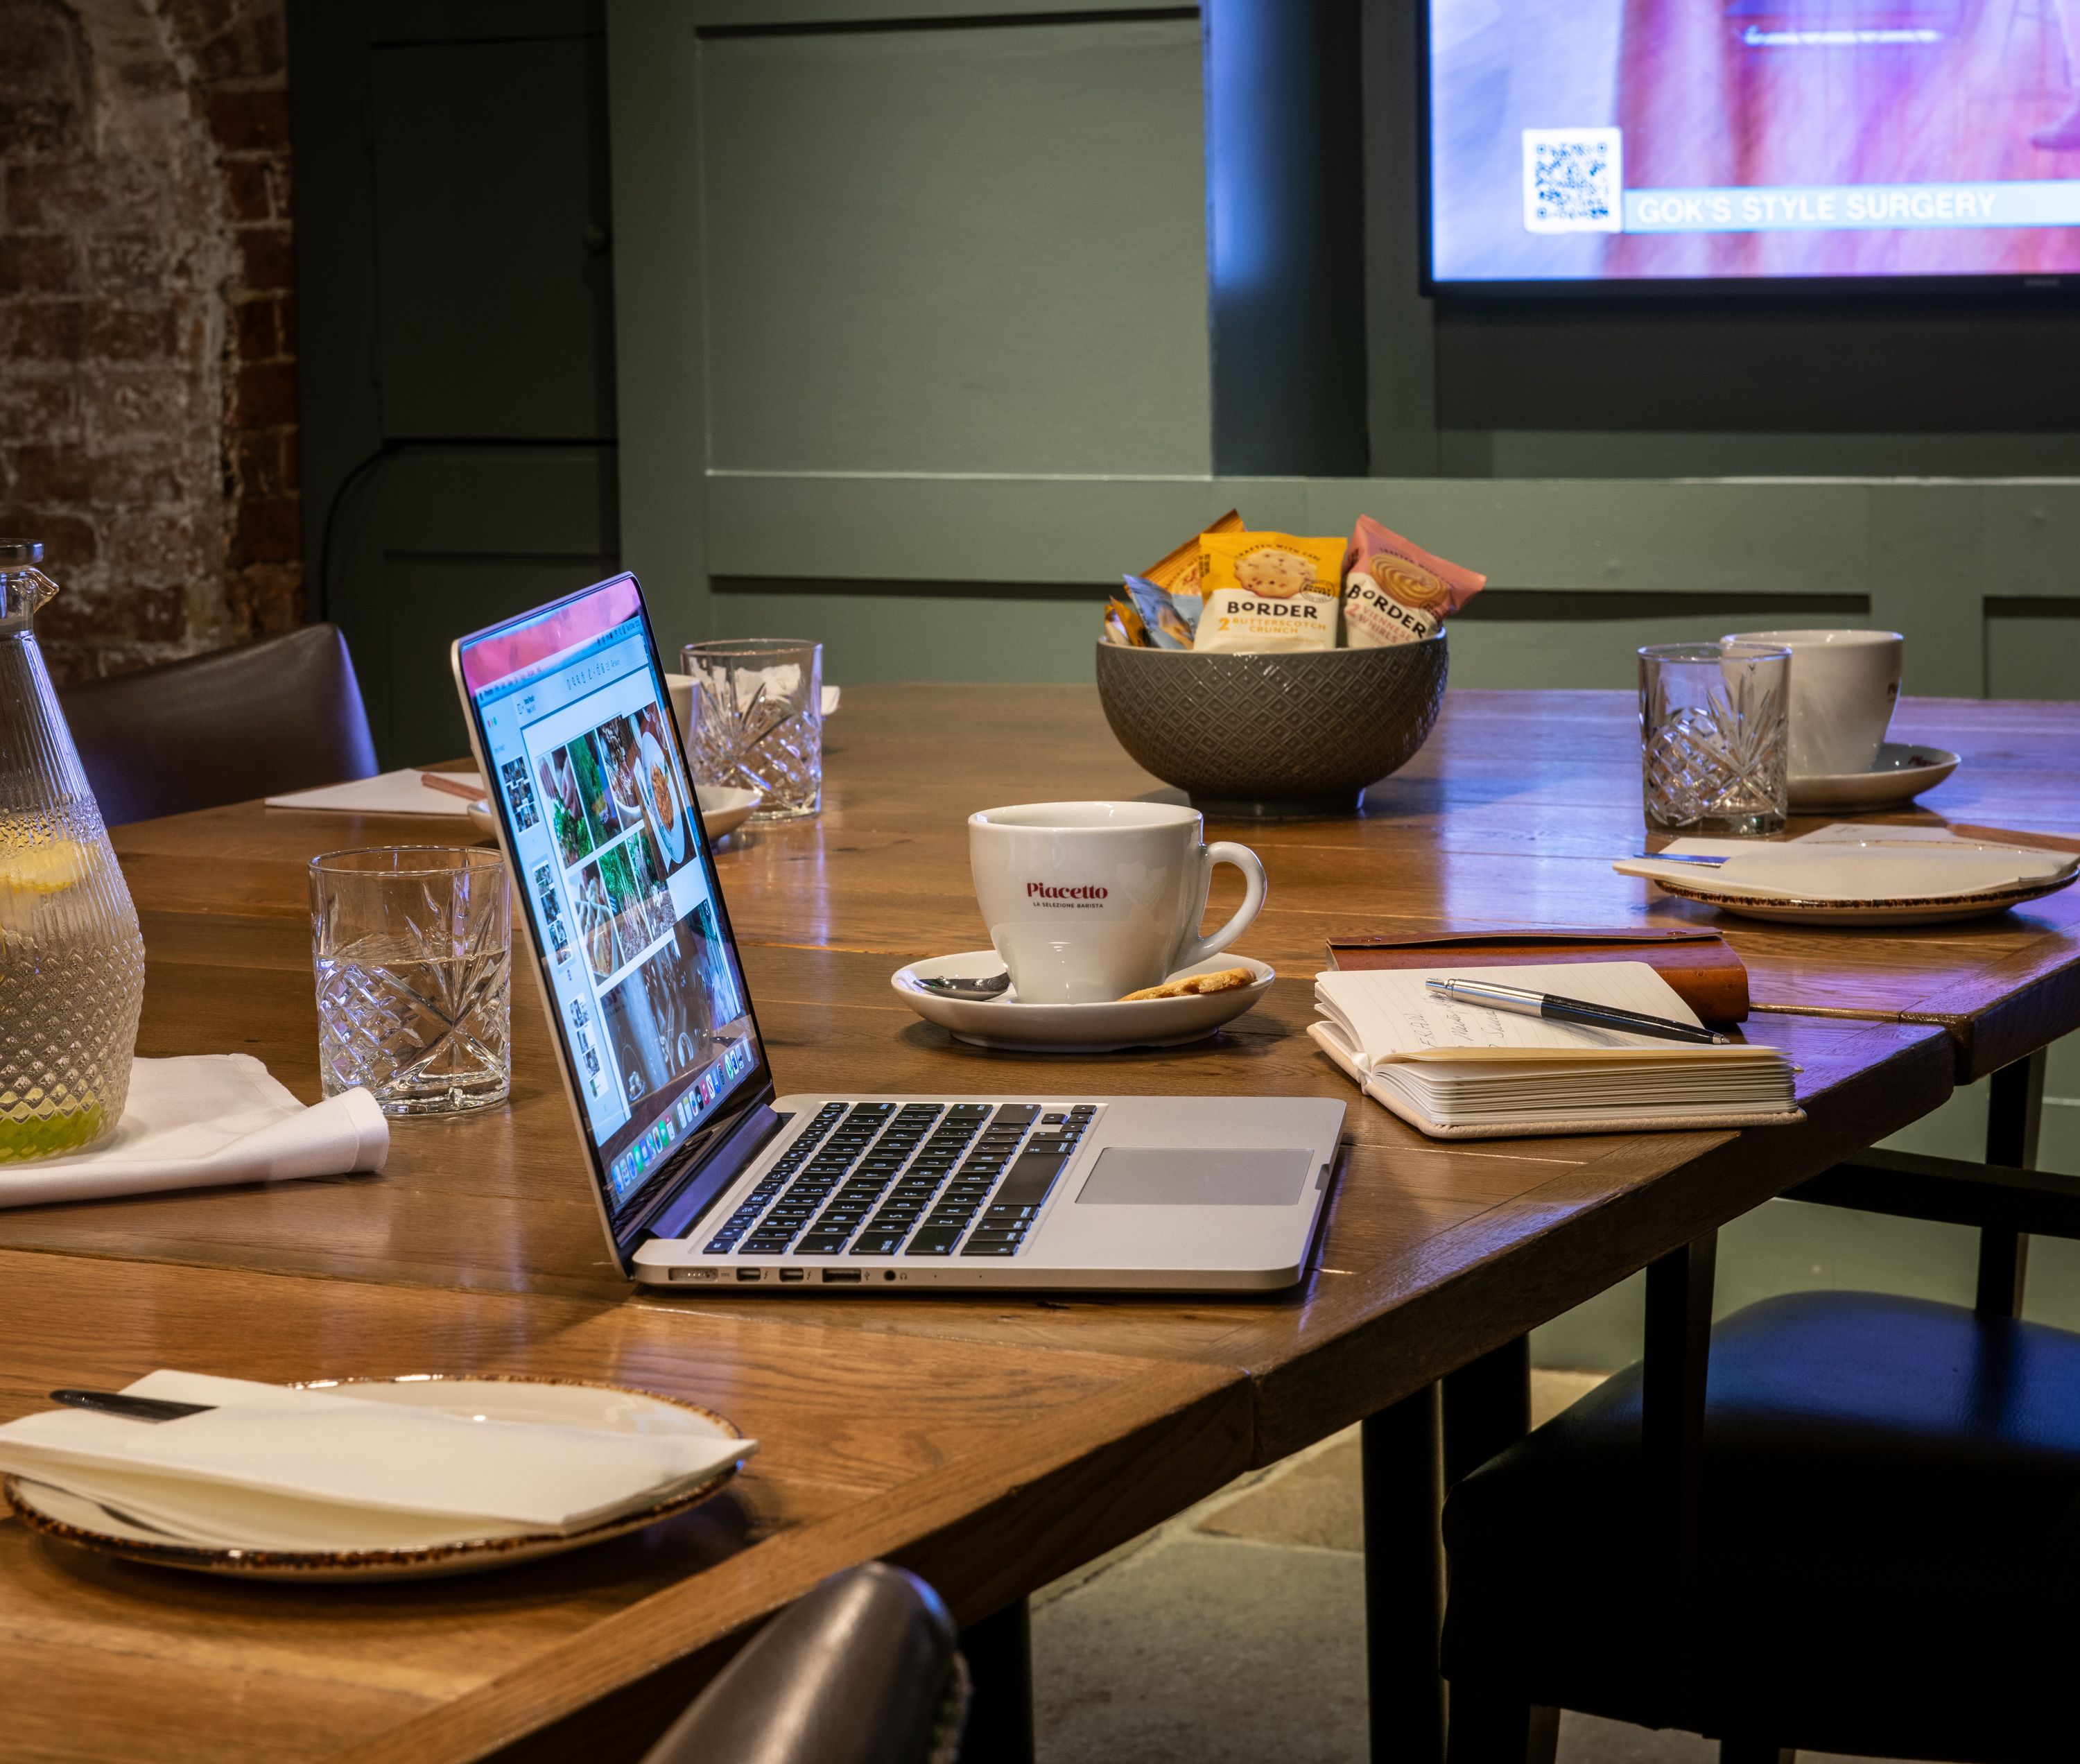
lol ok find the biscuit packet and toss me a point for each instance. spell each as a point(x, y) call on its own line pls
point(1123, 625)
point(1177, 575)
point(1267, 592)
point(1396, 592)
point(1168, 620)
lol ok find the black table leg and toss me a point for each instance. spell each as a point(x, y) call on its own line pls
point(998, 1649)
point(1403, 1478)
point(1412, 1453)
point(2015, 1111)
point(1678, 1341)
point(1755, 1752)
point(1488, 1408)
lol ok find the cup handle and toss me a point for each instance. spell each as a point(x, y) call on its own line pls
point(1251, 866)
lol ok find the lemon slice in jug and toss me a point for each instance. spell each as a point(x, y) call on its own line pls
point(43, 869)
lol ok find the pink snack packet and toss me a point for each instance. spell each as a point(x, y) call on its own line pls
point(1396, 592)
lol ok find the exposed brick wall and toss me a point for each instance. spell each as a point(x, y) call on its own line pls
point(148, 402)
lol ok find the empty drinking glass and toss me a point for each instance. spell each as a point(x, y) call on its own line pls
point(1714, 733)
point(758, 722)
point(413, 947)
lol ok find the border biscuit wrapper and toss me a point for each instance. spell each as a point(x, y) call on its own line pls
point(1177, 574)
point(1396, 592)
point(1266, 592)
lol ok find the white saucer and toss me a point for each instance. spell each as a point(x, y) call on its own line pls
point(724, 808)
point(71, 1517)
point(1901, 771)
point(1005, 1024)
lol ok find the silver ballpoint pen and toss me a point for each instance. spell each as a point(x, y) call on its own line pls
point(1555, 1008)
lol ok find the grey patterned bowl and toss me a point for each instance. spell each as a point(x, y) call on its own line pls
point(1274, 736)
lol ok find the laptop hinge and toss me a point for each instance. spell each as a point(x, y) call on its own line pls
point(710, 1169)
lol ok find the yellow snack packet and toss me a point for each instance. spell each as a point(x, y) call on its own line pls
point(1177, 575)
point(1264, 592)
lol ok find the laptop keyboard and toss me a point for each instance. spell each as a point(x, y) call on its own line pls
point(879, 1179)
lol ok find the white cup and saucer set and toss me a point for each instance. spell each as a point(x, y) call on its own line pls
point(1844, 685)
point(1086, 902)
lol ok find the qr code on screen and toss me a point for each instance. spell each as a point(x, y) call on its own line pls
point(1574, 180)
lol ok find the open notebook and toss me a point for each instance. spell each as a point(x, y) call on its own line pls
point(1458, 1071)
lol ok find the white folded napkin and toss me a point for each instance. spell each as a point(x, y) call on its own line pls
point(203, 1120)
point(1877, 868)
point(387, 793)
point(269, 1468)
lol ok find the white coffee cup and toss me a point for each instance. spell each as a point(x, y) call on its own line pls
point(681, 688)
point(1843, 687)
point(1087, 901)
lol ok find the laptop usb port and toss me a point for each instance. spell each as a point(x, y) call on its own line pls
point(834, 1276)
point(794, 1273)
point(749, 1274)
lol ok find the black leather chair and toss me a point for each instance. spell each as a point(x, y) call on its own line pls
point(1890, 1545)
point(1885, 1554)
point(863, 1671)
point(282, 714)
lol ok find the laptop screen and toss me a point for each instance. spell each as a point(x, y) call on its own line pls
point(576, 727)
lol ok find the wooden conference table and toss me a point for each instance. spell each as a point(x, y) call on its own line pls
point(993, 1444)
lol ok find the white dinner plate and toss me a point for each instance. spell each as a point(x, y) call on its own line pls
point(724, 807)
point(1006, 1025)
point(1903, 769)
point(1886, 876)
point(1780, 909)
point(73, 1518)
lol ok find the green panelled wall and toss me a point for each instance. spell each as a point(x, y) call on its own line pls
point(911, 328)
point(861, 190)
point(1955, 565)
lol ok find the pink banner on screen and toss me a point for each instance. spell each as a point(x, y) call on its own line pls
point(592, 614)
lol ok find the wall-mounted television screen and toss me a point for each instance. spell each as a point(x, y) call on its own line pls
point(1693, 143)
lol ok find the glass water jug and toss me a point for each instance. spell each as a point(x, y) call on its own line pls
point(72, 965)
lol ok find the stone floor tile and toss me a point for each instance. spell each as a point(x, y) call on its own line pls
point(1202, 1651)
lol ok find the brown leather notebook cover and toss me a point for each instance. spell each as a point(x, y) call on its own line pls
point(1699, 964)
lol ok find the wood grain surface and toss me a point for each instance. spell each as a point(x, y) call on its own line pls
point(991, 1442)
point(861, 1454)
point(500, 1201)
point(1510, 816)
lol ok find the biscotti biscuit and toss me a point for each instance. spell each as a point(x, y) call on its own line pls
point(1226, 980)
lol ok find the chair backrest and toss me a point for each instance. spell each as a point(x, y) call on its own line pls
point(282, 714)
point(862, 1669)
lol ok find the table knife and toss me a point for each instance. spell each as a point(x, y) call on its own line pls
point(115, 1402)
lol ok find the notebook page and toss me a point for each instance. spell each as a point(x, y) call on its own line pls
point(387, 793)
point(1389, 1014)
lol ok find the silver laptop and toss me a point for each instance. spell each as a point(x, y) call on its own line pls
point(705, 1179)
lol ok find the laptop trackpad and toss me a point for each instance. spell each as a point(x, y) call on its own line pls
point(1146, 1176)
